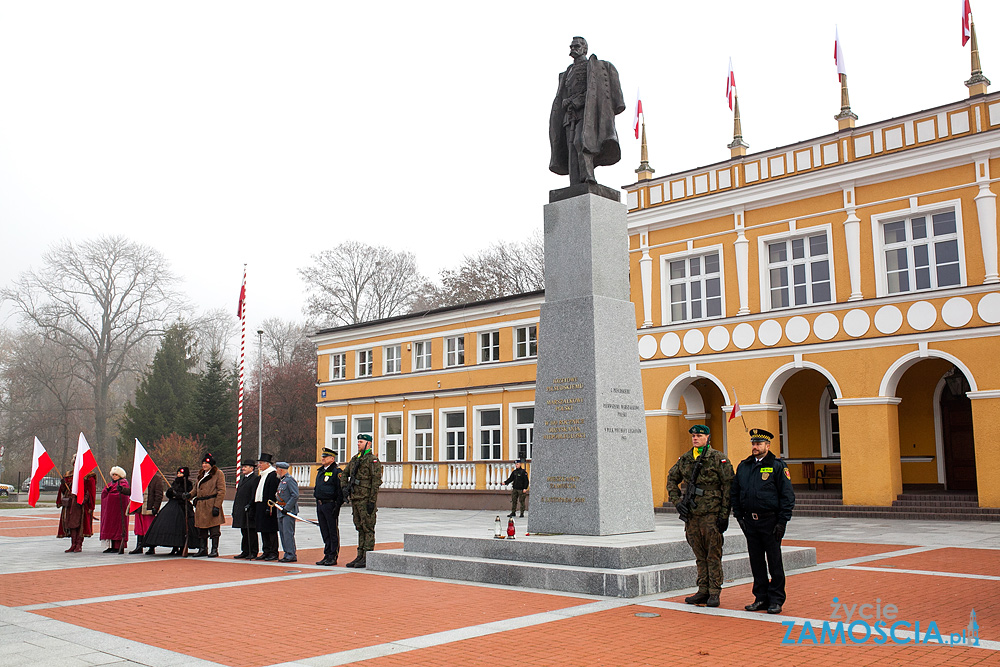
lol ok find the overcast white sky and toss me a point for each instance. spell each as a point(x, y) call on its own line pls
point(225, 133)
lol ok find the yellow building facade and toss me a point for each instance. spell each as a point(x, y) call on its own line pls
point(844, 291)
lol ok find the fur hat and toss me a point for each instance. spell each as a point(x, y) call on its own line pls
point(118, 470)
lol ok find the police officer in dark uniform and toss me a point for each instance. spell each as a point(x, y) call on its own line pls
point(329, 498)
point(762, 500)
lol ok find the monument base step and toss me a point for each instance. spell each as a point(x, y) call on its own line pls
point(623, 566)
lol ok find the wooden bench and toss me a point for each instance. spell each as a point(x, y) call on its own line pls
point(829, 471)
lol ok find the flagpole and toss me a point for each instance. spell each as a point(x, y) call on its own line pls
point(243, 340)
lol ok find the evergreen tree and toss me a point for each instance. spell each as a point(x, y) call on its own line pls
point(212, 417)
point(162, 400)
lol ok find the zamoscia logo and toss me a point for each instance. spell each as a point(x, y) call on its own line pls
point(877, 623)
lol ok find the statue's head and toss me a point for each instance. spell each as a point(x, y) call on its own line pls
point(578, 47)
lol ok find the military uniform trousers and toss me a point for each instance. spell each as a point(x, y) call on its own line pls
point(517, 495)
point(328, 513)
point(765, 554)
point(286, 529)
point(365, 523)
point(706, 542)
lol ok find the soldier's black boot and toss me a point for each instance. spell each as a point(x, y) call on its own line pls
point(138, 546)
point(359, 561)
point(713, 601)
point(697, 598)
point(356, 559)
point(360, 564)
point(214, 553)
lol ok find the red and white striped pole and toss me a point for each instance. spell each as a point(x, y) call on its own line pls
point(242, 314)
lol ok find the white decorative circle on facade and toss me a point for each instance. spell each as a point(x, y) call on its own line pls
point(797, 329)
point(856, 323)
point(718, 338)
point(826, 326)
point(956, 312)
point(922, 315)
point(647, 346)
point(670, 344)
point(769, 332)
point(989, 308)
point(694, 341)
point(744, 335)
point(888, 319)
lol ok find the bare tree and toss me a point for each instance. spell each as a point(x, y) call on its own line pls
point(214, 332)
point(502, 269)
point(100, 300)
point(281, 338)
point(356, 282)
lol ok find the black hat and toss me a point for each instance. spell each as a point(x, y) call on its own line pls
point(521, 460)
point(208, 458)
point(249, 462)
point(265, 458)
point(185, 470)
point(761, 434)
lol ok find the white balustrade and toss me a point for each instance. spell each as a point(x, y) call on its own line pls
point(461, 475)
point(392, 476)
point(496, 473)
point(425, 476)
point(300, 473)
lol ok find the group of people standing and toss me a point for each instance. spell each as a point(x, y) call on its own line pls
point(704, 489)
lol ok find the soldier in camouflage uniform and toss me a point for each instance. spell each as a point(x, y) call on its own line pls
point(363, 475)
point(706, 518)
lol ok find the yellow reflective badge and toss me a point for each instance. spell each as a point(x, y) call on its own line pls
point(767, 469)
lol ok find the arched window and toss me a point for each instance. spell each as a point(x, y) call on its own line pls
point(829, 419)
point(782, 429)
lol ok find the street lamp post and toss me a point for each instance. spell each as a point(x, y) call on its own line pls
point(260, 388)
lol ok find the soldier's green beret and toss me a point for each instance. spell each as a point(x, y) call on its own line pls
point(365, 437)
point(699, 429)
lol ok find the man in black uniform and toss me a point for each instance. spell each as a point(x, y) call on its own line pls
point(329, 498)
point(762, 500)
point(519, 478)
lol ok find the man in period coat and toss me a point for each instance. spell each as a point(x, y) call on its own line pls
point(208, 495)
point(287, 500)
point(265, 515)
point(243, 511)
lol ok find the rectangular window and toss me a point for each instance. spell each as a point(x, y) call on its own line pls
point(338, 366)
point(363, 426)
point(489, 346)
point(393, 359)
point(364, 363)
point(524, 429)
point(454, 351)
point(336, 438)
point(423, 443)
point(526, 342)
point(489, 435)
point(454, 436)
point(799, 271)
point(392, 438)
point(694, 285)
point(921, 252)
point(422, 355)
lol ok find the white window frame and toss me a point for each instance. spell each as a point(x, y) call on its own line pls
point(392, 359)
point(498, 429)
point(423, 353)
point(384, 437)
point(343, 453)
point(528, 329)
point(338, 362)
point(686, 255)
point(514, 426)
point(928, 210)
point(415, 433)
point(826, 424)
point(365, 365)
point(355, 428)
point(454, 351)
point(494, 346)
point(445, 430)
point(782, 433)
point(764, 265)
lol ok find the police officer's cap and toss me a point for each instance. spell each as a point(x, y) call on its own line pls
point(328, 452)
point(761, 434)
point(283, 465)
point(699, 429)
point(365, 437)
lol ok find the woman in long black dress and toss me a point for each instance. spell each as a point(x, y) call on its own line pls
point(173, 525)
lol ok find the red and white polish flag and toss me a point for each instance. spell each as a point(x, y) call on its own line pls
point(966, 22)
point(143, 470)
point(638, 112)
point(41, 464)
point(243, 296)
point(731, 85)
point(838, 54)
point(735, 412)
point(84, 463)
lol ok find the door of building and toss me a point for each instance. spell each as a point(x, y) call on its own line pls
point(959, 444)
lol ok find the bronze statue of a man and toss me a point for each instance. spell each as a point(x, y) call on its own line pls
point(582, 123)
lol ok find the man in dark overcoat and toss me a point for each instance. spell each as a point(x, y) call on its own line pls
point(243, 511)
point(265, 512)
